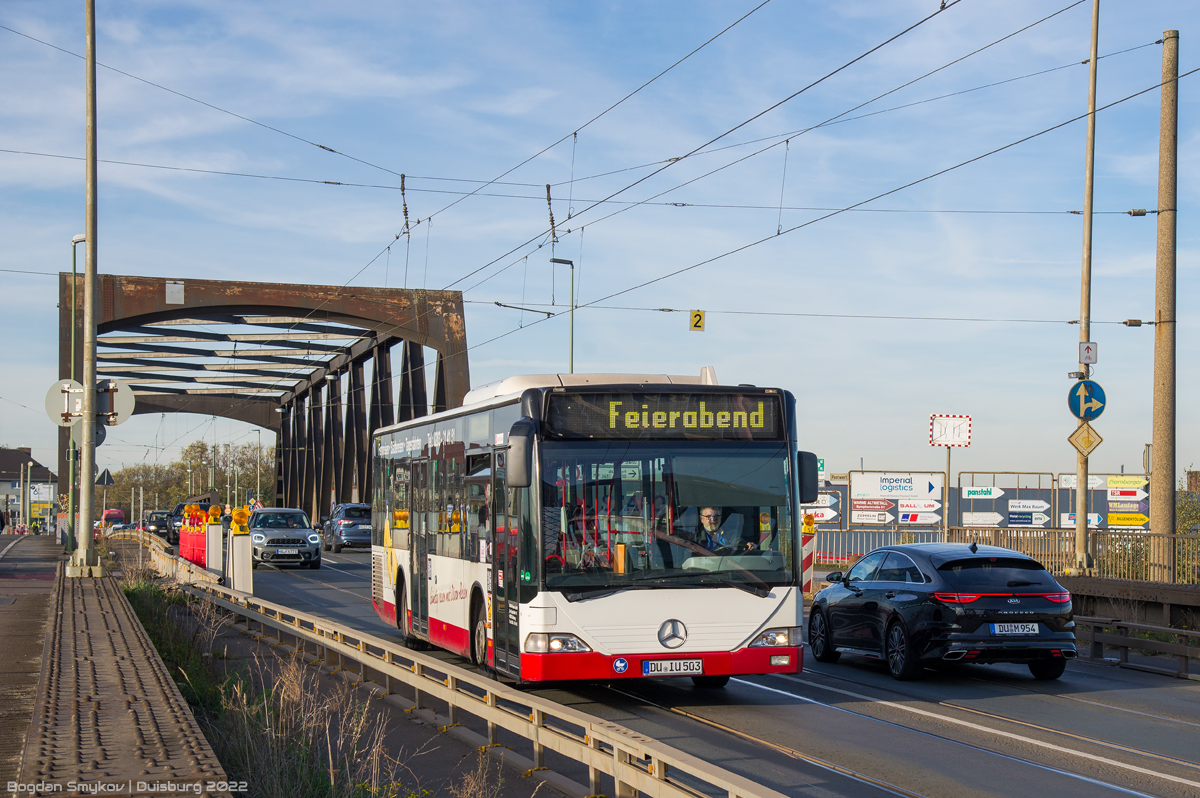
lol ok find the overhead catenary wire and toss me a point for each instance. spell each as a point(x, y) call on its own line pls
point(843, 113)
point(797, 314)
point(894, 190)
point(838, 121)
point(549, 147)
point(910, 184)
point(535, 198)
point(733, 129)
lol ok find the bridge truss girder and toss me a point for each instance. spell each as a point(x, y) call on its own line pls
point(292, 359)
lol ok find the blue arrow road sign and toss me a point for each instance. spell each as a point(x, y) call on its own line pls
point(1086, 400)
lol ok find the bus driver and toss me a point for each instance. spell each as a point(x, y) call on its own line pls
point(719, 536)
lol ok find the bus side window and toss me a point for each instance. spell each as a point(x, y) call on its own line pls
point(478, 506)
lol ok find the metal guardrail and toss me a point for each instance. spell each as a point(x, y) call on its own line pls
point(1139, 556)
point(1124, 640)
point(638, 765)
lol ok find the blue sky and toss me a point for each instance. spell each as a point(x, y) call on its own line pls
point(453, 92)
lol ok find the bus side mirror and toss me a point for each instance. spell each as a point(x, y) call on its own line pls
point(520, 454)
point(807, 462)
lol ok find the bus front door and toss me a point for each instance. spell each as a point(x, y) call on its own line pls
point(419, 531)
point(506, 642)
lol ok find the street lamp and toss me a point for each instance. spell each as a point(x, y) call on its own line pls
point(258, 467)
point(75, 242)
point(571, 263)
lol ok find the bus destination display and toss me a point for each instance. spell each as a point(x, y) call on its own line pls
point(638, 416)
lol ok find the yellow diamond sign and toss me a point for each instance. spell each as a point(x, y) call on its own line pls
point(1085, 439)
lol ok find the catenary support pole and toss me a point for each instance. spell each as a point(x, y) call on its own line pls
point(1162, 485)
point(85, 562)
point(1085, 300)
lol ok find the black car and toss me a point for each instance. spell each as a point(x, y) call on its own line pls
point(915, 604)
point(349, 526)
point(158, 523)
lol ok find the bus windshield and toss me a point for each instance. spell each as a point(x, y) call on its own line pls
point(625, 514)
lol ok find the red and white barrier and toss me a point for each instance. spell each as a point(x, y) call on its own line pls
point(807, 545)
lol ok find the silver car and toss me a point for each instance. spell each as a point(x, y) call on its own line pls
point(349, 526)
point(283, 536)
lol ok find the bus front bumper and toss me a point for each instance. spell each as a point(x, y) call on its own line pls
point(591, 665)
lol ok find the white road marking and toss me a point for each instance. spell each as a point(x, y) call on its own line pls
point(10, 545)
point(1047, 729)
point(976, 726)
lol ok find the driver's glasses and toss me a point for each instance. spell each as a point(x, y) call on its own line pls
point(709, 516)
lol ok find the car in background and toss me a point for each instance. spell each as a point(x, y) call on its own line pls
point(916, 604)
point(177, 521)
point(158, 522)
point(349, 526)
point(283, 536)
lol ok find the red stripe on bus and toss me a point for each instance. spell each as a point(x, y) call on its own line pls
point(567, 667)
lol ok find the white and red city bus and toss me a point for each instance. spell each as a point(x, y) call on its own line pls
point(563, 527)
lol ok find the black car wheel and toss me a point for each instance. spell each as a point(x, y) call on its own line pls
point(253, 564)
point(326, 545)
point(337, 548)
point(818, 638)
point(710, 682)
point(902, 660)
point(315, 564)
point(1047, 669)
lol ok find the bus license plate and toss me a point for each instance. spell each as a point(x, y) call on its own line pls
point(672, 667)
point(1014, 628)
point(288, 551)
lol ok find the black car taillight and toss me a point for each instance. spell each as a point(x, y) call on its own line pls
point(957, 598)
point(1058, 598)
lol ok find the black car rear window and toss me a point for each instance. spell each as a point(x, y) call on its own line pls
point(979, 572)
point(358, 512)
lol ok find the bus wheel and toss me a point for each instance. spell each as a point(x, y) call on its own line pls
point(478, 634)
point(710, 682)
point(402, 612)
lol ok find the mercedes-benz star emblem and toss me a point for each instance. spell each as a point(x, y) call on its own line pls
point(672, 634)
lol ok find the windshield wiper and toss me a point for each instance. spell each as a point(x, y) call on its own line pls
point(704, 579)
point(761, 592)
point(584, 595)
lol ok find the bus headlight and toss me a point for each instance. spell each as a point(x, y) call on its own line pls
point(543, 643)
point(783, 636)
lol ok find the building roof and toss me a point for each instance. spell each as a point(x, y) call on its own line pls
point(11, 461)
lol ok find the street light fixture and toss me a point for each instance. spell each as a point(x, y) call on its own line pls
point(258, 468)
point(571, 358)
point(75, 242)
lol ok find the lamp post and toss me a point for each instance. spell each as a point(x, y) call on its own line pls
point(189, 493)
point(258, 468)
point(571, 357)
point(71, 453)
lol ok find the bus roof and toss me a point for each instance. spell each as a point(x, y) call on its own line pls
point(516, 385)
